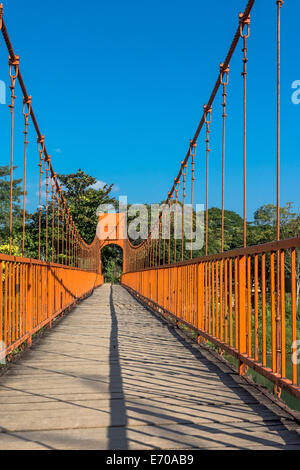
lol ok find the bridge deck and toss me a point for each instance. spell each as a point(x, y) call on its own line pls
point(111, 375)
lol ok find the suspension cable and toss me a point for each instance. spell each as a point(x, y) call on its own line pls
point(47, 197)
point(193, 155)
point(184, 173)
point(245, 22)
point(26, 102)
point(175, 221)
point(52, 226)
point(224, 79)
point(41, 148)
point(207, 113)
point(13, 76)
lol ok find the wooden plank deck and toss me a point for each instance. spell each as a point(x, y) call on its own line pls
point(112, 375)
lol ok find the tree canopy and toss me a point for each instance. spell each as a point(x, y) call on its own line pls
point(17, 192)
point(83, 200)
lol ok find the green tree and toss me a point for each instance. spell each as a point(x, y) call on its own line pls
point(265, 230)
point(112, 263)
point(83, 201)
point(5, 207)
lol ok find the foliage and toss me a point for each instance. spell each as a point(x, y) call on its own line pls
point(112, 261)
point(83, 201)
point(264, 230)
point(17, 192)
point(15, 249)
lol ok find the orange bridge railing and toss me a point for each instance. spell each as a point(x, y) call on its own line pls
point(230, 299)
point(33, 293)
point(66, 269)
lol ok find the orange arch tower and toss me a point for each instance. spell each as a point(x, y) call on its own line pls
point(112, 230)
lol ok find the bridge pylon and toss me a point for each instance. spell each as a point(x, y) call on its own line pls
point(112, 230)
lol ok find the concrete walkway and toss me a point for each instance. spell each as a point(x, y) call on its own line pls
point(111, 375)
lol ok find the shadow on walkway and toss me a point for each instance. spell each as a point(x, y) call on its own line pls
point(274, 418)
point(117, 406)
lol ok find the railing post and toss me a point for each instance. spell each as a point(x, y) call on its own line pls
point(50, 295)
point(242, 324)
point(29, 304)
point(200, 295)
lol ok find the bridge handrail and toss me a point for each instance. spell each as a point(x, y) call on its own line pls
point(33, 293)
point(232, 300)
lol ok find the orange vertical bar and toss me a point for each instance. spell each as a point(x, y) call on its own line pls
point(37, 298)
point(221, 299)
point(189, 287)
point(194, 291)
point(17, 300)
point(182, 309)
point(273, 313)
point(41, 293)
point(236, 320)
point(226, 301)
point(249, 306)
point(230, 304)
point(184, 305)
point(210, 301)
point(210, 297)
point(6, 278)
point(282, 298)
point(169, 289)
point(278, 314)
point(29, 302)
point(191, 293)
point(23, 298)
point(206, 294)
point(198, 295)
point(217, 302)
point(202, 297)
point(181, 291)
point(13, 301)
point(1, 302)
point(171, 296)
point(35, 295)
point(176, 291)
point(50, 294)
point(184, 300)
point(263, 287)
point(192, 269)
point(294, 315)
point(186, 283)
point(25, 272)
point(9, 322)
point(242, 309)
point(256, 304)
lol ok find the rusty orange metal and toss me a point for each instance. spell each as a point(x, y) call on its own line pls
point(236, 300)
point(33, 293)
point(204, 313)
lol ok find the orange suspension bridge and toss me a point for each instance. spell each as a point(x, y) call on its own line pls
point(142, 365)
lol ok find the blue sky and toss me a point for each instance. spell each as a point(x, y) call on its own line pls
point(118, 90)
